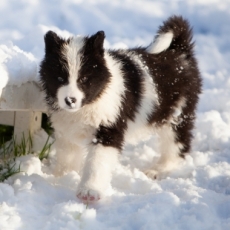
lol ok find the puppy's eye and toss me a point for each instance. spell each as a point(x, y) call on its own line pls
point(60, 79)
point(83, 79)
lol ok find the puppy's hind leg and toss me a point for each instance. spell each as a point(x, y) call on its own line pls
point(170, 149)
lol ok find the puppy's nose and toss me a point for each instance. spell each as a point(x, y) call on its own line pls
point(70, 101)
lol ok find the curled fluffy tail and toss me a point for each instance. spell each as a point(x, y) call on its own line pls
point(175, 33)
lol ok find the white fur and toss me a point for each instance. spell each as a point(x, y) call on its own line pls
point(106, 109)
point(138, 129)
point(169, 150)
point(72, 136)
point(67, 91)
point(71, 127)
point(69, 156)
point(96, 175)
point(168, 147)
point(74, 141)
point(161, 43)
point(71, 52)
point(176, 118)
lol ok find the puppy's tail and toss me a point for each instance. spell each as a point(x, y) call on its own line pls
point(175, 33)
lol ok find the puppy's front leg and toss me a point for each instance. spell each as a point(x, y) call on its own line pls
point(97, 171)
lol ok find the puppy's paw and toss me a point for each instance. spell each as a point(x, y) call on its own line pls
point(151, 173)
point(155, 174)
point(88, 195)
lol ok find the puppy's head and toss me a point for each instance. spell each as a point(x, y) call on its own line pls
point(73, 72)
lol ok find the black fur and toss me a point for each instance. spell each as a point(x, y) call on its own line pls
point(175, 74)
point(93, 75)
point(114, 134)
point(52, 69)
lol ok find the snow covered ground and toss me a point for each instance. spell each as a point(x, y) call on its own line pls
point(196, 197)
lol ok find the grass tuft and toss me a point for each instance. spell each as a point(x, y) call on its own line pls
point(9, 151)
point(8, 170)
point(45, 150)
point(24, 148)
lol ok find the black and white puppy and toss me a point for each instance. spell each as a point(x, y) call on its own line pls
point(101, 99)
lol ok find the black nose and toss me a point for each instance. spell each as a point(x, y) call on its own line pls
point(70, 100)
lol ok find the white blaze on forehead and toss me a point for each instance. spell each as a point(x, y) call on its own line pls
point(72, 53)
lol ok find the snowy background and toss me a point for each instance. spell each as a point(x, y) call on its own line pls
point(197, 197)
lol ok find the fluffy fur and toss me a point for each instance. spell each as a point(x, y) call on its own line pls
point(100, 99)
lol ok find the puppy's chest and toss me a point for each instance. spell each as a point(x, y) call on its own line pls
point(70, 126)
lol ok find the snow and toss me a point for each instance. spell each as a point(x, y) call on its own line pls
point(195, 197)
point(16, 66)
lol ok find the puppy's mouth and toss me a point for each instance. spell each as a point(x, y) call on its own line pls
point(71, 109)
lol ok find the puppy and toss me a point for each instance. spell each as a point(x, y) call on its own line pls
point(101, 99)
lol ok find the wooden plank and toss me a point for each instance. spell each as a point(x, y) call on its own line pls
point(22, 107)
point(7, 118)
point(27, 97)
point(26, 123)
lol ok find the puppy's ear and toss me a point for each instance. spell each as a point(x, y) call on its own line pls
point(96, 42)
point(99, 40)
point(52, 41)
